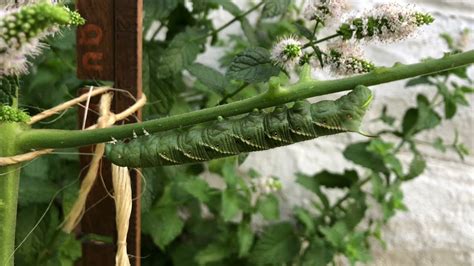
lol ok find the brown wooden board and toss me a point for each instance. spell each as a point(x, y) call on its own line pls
point(128, 76)
point(110, 48)
point(95, 40)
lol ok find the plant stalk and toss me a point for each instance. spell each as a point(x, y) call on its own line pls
point(9, 185)
point(49, 138)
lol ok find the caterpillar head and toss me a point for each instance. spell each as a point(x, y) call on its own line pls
point(344, 114)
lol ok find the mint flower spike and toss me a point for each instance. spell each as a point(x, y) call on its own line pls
point(345, 58)
point(22, 29)
point(323, 10)
point(287, 52)
point(386, 23)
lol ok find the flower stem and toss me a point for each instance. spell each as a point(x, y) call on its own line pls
point(9, 185)
point(236, 18)
point(49, 138)
point(321, 40)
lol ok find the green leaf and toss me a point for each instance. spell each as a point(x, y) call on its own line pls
point(249, 31)
point(336, 234)
point(253, 66)
point(421, 118)
point(212, 253)
point(229, 204)
point(197, 188)
point(462, 150)
point(439, 144)
point(163, 224)
point(245, 238)
point(450, 106)
point(228, 6)
point(312, 185)
point(182, 51)
point(274, 8)
point(308, 34)
point(210, 77)
point(356, 248)
point(306, 219)
point(157, 10)
point(358, 154)
point(418, 81)
point(319, 253)
point(268, 207)
point(417, 166)
point(332, 180)
point(7, 90)
point(35, 190)
point(277, 245)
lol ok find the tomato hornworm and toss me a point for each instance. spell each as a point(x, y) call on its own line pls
point(256, 131)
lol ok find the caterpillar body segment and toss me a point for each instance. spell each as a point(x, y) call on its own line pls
point(254, 132)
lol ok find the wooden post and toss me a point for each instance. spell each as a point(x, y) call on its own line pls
point(109, 47)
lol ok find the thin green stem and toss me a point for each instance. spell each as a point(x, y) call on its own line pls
point(321, 40)
point(9, 185)
point(232, 94)
point(236, 18)
point(49, 138)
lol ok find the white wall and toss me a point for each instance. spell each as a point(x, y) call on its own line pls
point(439, 227)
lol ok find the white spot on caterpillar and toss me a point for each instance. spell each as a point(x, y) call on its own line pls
point(113, 141)
point(190, 156)
point(214, 148)
point(146, 133)
point(135, 135)
point(247, 141)
point(167, 158)
point(328, 127)
point(301, 133)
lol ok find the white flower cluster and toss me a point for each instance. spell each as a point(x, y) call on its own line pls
point(322, 10)
point(386, 22)
point(22, 29)
point(287, 52)
point(267, 185)
point(346, 58)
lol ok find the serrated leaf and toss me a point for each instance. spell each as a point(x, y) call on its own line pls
point(245, 238)
point(163, 224)
point(274, 8)
point(210, 77)
point(277, 245)
point(182, 51)
point(212, 253)
point(319, 253)
point(268, 207)
point(253, 65)
point(358, 154)
point(229, 204)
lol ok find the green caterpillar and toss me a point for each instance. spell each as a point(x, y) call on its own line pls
point(253, 132)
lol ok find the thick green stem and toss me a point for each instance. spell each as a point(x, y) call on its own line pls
point(9, 184)
point(43, 138)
